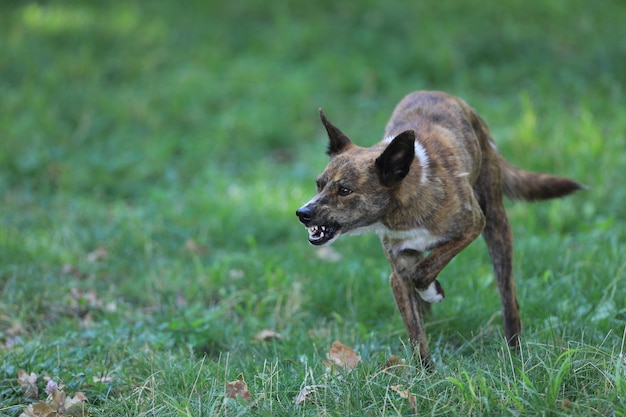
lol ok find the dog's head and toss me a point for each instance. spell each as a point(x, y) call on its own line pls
point(356, 188)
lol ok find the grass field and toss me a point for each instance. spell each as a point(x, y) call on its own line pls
point(153, 155)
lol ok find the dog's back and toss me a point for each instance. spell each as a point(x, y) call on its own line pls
point(449, 129)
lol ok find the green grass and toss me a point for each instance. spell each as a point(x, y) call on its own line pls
point(153, 155)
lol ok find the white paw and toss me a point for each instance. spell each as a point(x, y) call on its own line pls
point(433, 294)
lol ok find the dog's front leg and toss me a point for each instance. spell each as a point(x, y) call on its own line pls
point(409, 303)
point(425, 272)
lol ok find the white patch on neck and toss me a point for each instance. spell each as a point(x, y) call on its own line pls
point(420, 154)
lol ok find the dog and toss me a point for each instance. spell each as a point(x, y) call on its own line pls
point(428, 189)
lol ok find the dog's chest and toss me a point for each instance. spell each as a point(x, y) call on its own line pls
point(418, 239)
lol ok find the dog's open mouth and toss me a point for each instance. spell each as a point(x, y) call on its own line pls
point(318, 235)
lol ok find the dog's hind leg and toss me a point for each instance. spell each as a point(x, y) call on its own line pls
point(499, 239)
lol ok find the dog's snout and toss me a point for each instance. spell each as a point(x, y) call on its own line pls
point(305, 214)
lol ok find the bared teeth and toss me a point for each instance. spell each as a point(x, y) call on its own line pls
point(317, 231)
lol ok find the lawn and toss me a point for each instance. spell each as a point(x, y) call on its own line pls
point(152, 158)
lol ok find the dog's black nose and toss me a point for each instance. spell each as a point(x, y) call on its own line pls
point(304, 214)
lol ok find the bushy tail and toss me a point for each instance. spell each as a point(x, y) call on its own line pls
point(530, 186)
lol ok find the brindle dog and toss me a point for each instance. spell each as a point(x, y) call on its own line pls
point(432, 185)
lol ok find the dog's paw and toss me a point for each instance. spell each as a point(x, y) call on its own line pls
point(433, 294)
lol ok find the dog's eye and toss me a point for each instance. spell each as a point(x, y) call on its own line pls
point(343, 191)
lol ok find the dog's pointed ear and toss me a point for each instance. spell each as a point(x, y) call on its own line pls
point(395, 161)
point(337, 140)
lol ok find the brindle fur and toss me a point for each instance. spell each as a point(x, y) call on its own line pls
point(438, 200)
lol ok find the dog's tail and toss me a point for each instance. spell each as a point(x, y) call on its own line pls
point(531, 186)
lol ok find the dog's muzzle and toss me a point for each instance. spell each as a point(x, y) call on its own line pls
point(318, 234)
point(305, 214)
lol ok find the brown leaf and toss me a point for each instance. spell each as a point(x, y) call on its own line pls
point(406, 394)
point(62, 404)
point(413, 403)
point(308, 390)
point(393, 361)
point(69, 269)
point(28, 382)
point(342, 357)
point(194, 247)
point(57, 400)
point(79, 297)
point(267, 334)
point(86, 321)
point(238, 388)
point(97, 255)
point(40, 409)
point(28, 412)
point(403, 393)
point(75, 406)
point(82, 303)
point(102, 379)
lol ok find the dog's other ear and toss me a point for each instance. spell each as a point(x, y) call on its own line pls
point(394, 163)
point(337, 140)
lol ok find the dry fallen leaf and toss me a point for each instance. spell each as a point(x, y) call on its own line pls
point(342, 357)
point(40, 409)
point(194, 247)
point(69, 269)
point(79, 298)
point(75, 406)
point(58, 404)
point(306, 392)
point(82, 303)
point(403, 393)
point(99, 254)
point(238, 388)
point(393, 361)
point(413, 403)
point(103, 379)
point(267, 334)
point(28, 382)
point(406, 394)
point(65, 405)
